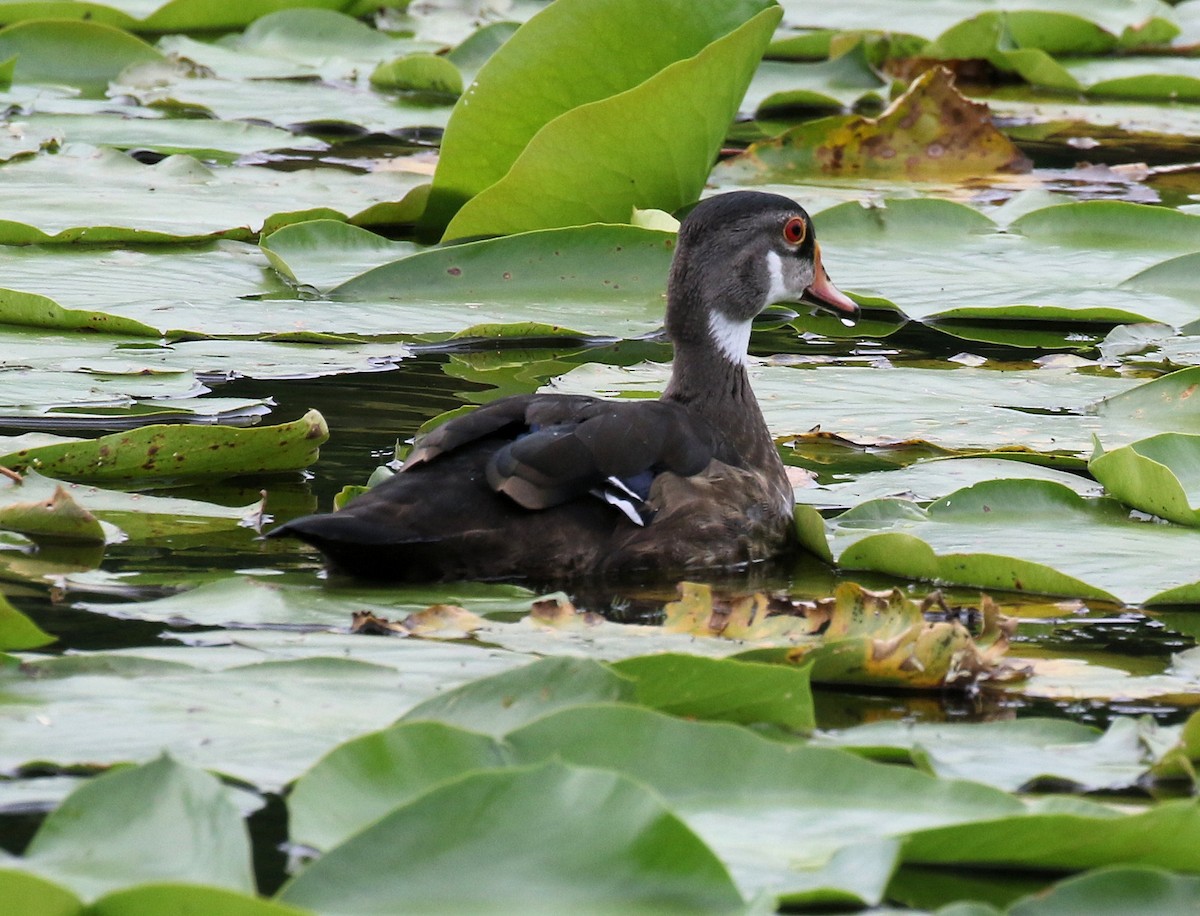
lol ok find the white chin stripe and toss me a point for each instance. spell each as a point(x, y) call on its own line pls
point(778, 290)
point(731, 337)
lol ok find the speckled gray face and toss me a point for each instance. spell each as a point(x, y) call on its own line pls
point(737, 254)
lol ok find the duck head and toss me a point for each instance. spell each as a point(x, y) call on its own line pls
point(736, 254)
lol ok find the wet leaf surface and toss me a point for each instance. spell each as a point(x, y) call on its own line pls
point(212, 217)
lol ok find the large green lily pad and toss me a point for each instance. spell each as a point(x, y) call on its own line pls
point(512, 137)
point(1034, 536)
point(578, 836)
point(179, 198)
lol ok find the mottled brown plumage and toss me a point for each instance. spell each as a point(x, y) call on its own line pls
point(556, 487)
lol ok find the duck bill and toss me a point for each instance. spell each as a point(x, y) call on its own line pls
point(823, 293)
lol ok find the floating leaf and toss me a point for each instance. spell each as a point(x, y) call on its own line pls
point(86, 55)
point(324, 252)
point(1115, 889)
point(725, 689)
point(1159, 475)
point(171, 453)
point(1016, 535)
point(156, 899)
point(19, 632)
point(811, 825)
point(928, 479)
point(587, 839)
point(840, 83)
point(419, 73)
point(613, 275)
point(931, 130)
point(1165, 835)
point(104, 196)
point(497, 705)
point(359, 780)
point(196, 834)
point(138, 516)
point(508, 139)
point(261, 710)
point(58, 519)
point(1040, 753)
point(31, 895)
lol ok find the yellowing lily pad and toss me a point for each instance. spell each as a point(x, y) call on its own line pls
point(930, 131)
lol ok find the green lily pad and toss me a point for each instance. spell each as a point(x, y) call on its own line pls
point(91, 844)
point(1169, 79)
point(348, 788)
point(263, 711)
point(927, 480)
point(172, 452)
point(497, 705)
point(1159, 475)
point(19, 632)
point(1162, 836)
point(843, 82)
point(1026, 22)
point(960, 408)
point(1060, 264)
point(138, 516)
point(56, 519)
point(1116, 889)
point(1033, 536)
point(154, 899)
point(722, 689)
point(202, 138)
point(177, 199)
point(507, 135)
point(811, 825)
point(581, 837)
point(86, 55)
point(419, 73)
point(252, 601)
point(324, 253)
point(1040, 752)
point(27, 893)
point(613, 276)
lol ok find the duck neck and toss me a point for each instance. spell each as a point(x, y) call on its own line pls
point(714, 386)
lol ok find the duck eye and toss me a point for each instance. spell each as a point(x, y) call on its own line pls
point(794, 230)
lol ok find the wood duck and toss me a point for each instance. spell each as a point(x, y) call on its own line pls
point(552, 487)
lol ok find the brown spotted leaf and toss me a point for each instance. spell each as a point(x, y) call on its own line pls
point(154, 455)
point(930, 132)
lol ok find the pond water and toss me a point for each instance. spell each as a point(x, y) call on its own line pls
point(369, 413)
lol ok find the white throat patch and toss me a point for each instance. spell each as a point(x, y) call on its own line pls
point(731, 337)
point(778, 291)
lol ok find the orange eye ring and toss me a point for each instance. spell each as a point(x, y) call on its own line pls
point(794, 230)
